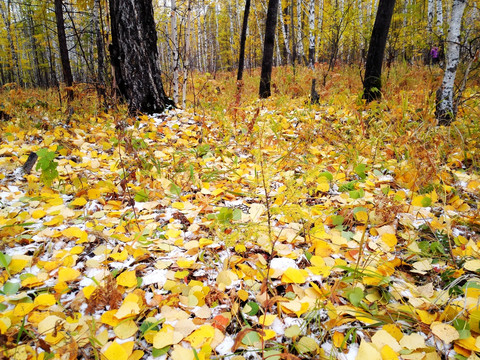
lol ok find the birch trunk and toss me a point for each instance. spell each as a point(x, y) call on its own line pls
point(173, 34)
point(430, 14)
point(311, 35)
point(440, 18)
point(186, 61)
point(99, 43)
point(446, 108)
point(14, 66)
point(285, 34)
point(300, 49)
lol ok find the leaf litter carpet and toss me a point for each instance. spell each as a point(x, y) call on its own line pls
point(165, 238)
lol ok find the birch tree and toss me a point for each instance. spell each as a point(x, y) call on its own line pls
point(446, 107)
point(173, 35)
point(311, 35)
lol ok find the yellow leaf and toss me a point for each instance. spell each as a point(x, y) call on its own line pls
point(44, 300)
point(93, 194)
point(116, 352)
point(67, 274)
point(125, 329)
point(108, 318)
point(121, 256)
point(446, 333)
point(266, 320)
point(338, 339)
point(382, 338)
point(468, 343)
point(202, 335)
point(181, 353)
point(127, 279)
point(75, 232)
point(18, 263)
point(38, 214)
point(5, 324)
point(88, 291)
point(413, 341)
point(166, 336)
point(296, 276)
point(23, 309)
point(128, 309)
point(388, 353)
point(472, 265)
point(389, 239)
point(81, 201)
point(178, 205)
point(361, 216)
point(242, 294)
point(54, 221)
point(368, 351)
point(172, 233)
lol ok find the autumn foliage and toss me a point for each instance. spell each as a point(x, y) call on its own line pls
point(241, 228)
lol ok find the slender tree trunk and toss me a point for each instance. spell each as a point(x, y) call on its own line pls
point(269, 42)
point(134, 56)
point(446, 108)
point(373, 69)
point(62, 44)
point(300, 49)
point(284, 29)
point(440, 18)
point(243, 39)
point(99, 44)
point(14, 65)
point(33, 43)
point(311, 35)
point(430, 16)
point(173, 35)
point(186, 60)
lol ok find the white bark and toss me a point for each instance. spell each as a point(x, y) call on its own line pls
point(430, 14)
point(173, 35)
point(300, 50)
point(311, 35)
point(440, 18)
point(284, 33)
point(445, 103)
point(186, 60)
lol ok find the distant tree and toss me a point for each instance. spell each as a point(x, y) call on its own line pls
point(446, 107)
point(372, 83)
point(134, 56)
point(243, 38)
point(269, 43)
point(62, 44)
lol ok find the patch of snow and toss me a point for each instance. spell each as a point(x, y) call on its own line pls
point(283, 264)
point(155, 277)
point(225, 347)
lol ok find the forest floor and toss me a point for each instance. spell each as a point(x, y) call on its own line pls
point(242, 228)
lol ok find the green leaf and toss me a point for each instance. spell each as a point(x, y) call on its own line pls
point(251, 338)
point(11, 288)
point(355, 296)
point(141, 196)
point(306, 344)
point(426, 201)
point(360, 171)
point(175, 189)
point(251, 308)
point(337, 220)
point(5, 260)
point(327, 174)
point(237, 214)
point(160, 352)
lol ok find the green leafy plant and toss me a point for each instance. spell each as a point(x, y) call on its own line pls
point(47, 164)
